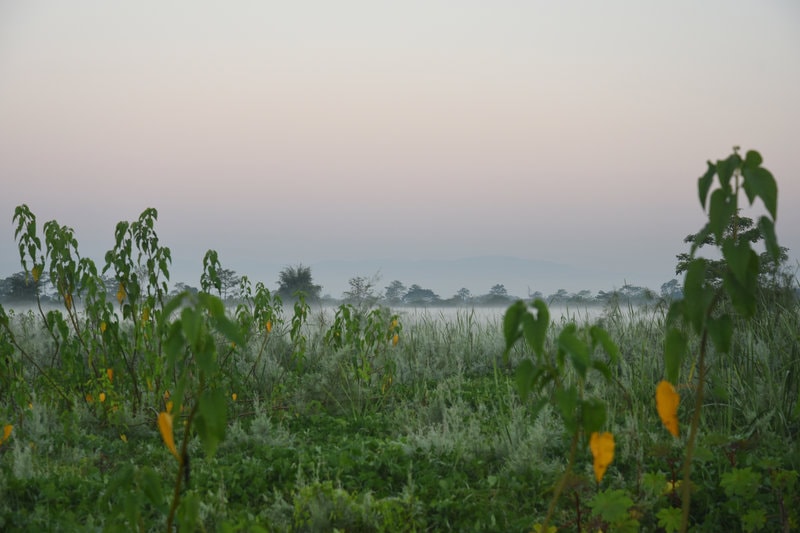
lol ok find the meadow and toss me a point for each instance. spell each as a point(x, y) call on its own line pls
point(137, 411)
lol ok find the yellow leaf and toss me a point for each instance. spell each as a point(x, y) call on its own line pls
point(123, 437)
point(6, 432)
point(269, 326)
point(165, 427)
point(145, 314)
point(110, 374)
point(36, 272)
point(602, 447)
point(89, 398)
point(667, 401)
point(102, 397)
point(68, 301)
point(103, 327)
point(395, 339)
point(121, 293)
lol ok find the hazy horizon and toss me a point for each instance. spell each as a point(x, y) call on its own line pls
point(371, 134)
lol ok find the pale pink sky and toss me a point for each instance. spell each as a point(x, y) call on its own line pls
point(280, 132)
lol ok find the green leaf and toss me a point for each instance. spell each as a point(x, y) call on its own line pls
point(720, 330)
point(593, 411)
point(601, 336)
point(743, 292)
point(738, 256)
point(535, 328)
point(151, 486)
point(704, 183)
point(211, 420)
point(576, 348)
point(725, 170)
point(524, 378)
point(674, 351)
point(511, 325)
point(670, 518)
point(229, 329)
point(191, 322)
point(767, 228)
point(697, 296)
point(601, 367)
point(567, 402)
point(752, 160)
point(611, 505)
point(760, 182)
point(741, 483)
point(754, 520)
point(720, 211)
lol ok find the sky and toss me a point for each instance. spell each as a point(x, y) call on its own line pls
point(279, 133)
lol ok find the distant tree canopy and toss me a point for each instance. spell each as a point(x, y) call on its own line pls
point(416, 295)
point(228, 282)
point(19, 287)
point(395, 292)
point(294, 280)
point(362, 292)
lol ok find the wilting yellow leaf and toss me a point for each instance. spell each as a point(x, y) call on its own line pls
point(165, 427)
point(667, 401)
point(145, 314)
point(89, 398)
point(68, 301)
point(395, 339)
point(394, 324)
point(102, 397)
point(269, 326)
point(121, 293)
point(123, 437)
point(6, 432)
point(166, 395)
point(602, 447)
point(110, 374)
point(234, 396)
point(36, 272)
point(103, 327)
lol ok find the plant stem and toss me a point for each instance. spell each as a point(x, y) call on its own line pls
point(690, 445)
point(563, 481)
point(176, 495)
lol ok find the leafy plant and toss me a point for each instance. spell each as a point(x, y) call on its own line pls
point(548, 375)
point(701, 312)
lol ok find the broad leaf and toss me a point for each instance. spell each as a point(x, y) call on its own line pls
point(578, 351)
point(720, 330)
point(767, 228)
point(704, 183)
point(720, 211)
point(601, 336)
point(211, 420)
point(760, 182)
point(593, 412)
point(674, 352)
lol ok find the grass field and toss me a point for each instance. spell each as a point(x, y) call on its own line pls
point(442, 442)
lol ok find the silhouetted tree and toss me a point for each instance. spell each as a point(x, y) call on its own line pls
point(464, 295)
point(296, 279)
point(19, 287)
point(395, 293)
point(416, 295)
point(228, 281)
point(362, 292)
